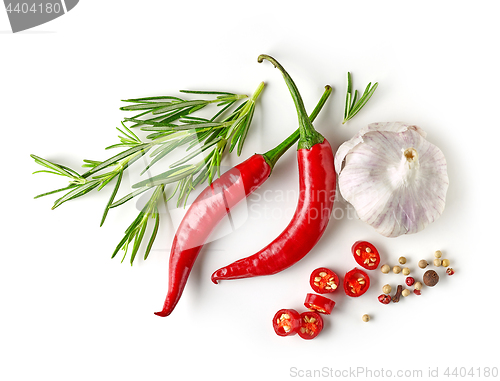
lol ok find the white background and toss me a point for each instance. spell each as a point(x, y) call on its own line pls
point(69, 312)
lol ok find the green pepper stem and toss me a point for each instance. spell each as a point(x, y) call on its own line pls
point(274, 154)
point(308, 135)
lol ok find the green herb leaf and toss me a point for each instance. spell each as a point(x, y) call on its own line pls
point(112, 197)
point(156, 216)
point(352, 104)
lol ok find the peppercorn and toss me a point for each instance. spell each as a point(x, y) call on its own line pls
point(406, 271)
point(387, 289)
point(410, 281)
point(385, 269)
point(402, 260)
point(418, 286)
point(417, 292)
point(405, 292)
point(437, 262)
point(366, 318)
point(431, 278)
point(396, 269)
point(445, 262)
point(438, 254)
point(422, 264)
point(450, 271)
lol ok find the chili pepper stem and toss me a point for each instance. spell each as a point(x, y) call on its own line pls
point(274, 154)
point(308, 135)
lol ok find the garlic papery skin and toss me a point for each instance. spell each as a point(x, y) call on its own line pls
point(393, 177)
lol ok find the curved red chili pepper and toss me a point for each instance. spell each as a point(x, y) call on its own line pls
point(209, 208)
point(316, 197)
point(212, 205)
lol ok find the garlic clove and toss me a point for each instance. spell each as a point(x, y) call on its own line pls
point(394, 178)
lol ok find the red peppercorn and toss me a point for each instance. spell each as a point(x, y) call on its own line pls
point(384, 299)
point(450, 271)
point(417, 292)
point(410, 281)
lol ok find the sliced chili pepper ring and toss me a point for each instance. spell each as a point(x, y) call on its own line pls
point(311, 325)
point(366, 255)
point(324, 280)
point(356, 282)
point(286, 322)
point(319, 304)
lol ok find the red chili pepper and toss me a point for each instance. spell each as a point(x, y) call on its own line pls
point(324, 280)
point(286, 322)
point(213, 204)
point(319, 304)
point(366, 255)
point(311, 325)
point(317, 193)
point(356, 282)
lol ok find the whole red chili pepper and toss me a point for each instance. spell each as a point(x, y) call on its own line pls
point(317, 193)
point(213, 204)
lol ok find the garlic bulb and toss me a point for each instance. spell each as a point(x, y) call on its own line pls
point(394, 178)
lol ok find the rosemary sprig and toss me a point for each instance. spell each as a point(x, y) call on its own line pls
point(171, 121)
point(352, 104)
